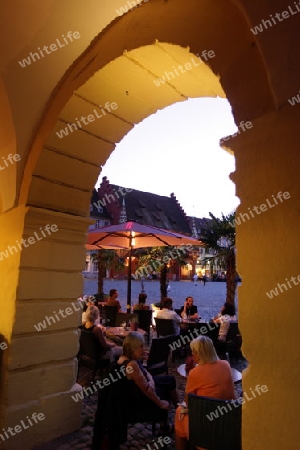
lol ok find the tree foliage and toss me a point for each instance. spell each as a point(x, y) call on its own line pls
point(107, 260)
point(218, 236)
point(153, 257)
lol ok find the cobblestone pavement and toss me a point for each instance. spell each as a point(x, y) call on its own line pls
point(139, 435)
point(209, 298)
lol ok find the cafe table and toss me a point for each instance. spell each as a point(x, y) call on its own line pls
point(236, 375)
point(121, 332)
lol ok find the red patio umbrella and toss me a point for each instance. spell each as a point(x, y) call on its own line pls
point(135, 235)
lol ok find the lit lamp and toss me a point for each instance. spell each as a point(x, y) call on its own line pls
point(131, 245)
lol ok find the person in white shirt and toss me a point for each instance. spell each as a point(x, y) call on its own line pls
point(225, 317)
point(167, 313)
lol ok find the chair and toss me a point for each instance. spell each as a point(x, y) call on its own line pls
point(123, 317)
point(210, 330)
point(145, 320)
point(164, 327)
point(157, 362)
point(234, 341)
point(110, 313)
point(114, 412)
point(91, 353)
point(214, 424)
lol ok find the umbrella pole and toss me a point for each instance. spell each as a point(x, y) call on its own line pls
point(129, 280)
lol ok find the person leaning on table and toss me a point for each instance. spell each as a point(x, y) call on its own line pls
point(210, 378)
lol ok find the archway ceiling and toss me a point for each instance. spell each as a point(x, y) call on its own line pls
point(129, 82)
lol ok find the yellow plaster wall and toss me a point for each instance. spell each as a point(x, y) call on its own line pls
point(8, 174)
point(11, 231)
point(267, 162)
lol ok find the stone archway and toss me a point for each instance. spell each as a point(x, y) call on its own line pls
point(50, 271)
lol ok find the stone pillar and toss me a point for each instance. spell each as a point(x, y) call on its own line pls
point(268, 248)
point(40, 375)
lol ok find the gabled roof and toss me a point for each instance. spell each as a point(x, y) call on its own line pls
point(145, 208)
point(156, 210)
point(97, 209)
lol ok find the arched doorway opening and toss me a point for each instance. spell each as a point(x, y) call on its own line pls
point(50, 274)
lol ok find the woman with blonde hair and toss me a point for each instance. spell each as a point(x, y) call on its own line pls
point(146, 391)
point(110, 349)
point(210, 378)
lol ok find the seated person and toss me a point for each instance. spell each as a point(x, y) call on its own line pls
point(112, 351)
point(112, 301)
point(226, 315)
point(167, 313)
point(146, 391)
point(189, 310)
point(210, 378)
point(86, 303)
point(141, 304)
point(133, 391)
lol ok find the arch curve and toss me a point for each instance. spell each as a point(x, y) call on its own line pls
point(218, 27)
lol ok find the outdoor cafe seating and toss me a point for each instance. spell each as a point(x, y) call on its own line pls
point(144, 318)
point(158, 358)
point(164, 327)
point(109, 313)
point(211, 429)
point(90, 353)
point(114, 414)
point(124, 318)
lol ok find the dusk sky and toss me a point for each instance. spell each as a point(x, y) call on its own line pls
point(177, 150)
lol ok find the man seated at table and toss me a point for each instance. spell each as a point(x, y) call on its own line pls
point(112, 301)
point(189, 310)
point(167, 313)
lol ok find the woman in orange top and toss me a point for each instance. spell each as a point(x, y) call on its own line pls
point(210, 378)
